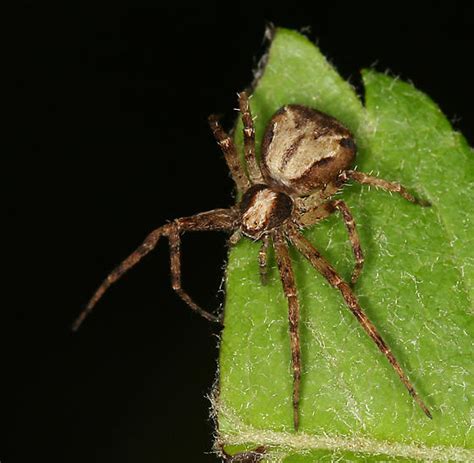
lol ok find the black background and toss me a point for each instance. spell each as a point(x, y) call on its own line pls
point(111, 141)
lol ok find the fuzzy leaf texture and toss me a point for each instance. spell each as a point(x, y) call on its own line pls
point(416, 286)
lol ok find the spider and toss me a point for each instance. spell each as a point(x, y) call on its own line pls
point(306, 157)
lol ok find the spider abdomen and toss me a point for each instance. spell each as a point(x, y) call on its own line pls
point(263, 209)
point(303, 150)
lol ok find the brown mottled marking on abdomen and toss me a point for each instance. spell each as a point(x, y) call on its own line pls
point(290, 152)
point(302, 150)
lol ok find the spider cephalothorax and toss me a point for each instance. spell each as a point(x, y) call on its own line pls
point(305, 159)
point(263, 209)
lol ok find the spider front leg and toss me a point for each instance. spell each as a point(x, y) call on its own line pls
point(147, 246)
point(289, 287)
point(230, 153)
point(394, 187)
point(174, 240)
point(249, 140)
point(215, 220)
point(328, 272)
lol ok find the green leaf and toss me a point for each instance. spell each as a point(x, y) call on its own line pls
point(417, 287)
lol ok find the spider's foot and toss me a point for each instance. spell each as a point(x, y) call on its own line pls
point(209, 316)
point(220, 319)
point(423, 203)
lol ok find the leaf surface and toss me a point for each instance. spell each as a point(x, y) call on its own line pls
point(416, 286)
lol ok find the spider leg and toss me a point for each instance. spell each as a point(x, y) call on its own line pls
point(174, 240)
point(148, 245)
point(230, 153)
point(235, 237)
point(262, 259)
point(309, 214)
point(315, 207)
point(217, 219)
point(365, 179)
point(342, 207)
point(328, 272)
point(249, 139)
point(289, 287)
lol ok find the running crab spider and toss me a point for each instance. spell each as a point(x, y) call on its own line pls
point(306, 157)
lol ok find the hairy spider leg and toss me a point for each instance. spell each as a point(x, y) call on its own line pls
point(317, 206)
point(215, 220)
point(394, 187)
point(313, 212)
point(249, 140)
point(174, 241)
point(289, 287)
point(328, 272)
point(311, 209)
point(263, 259)
point(230, 153)
point(348, 219)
